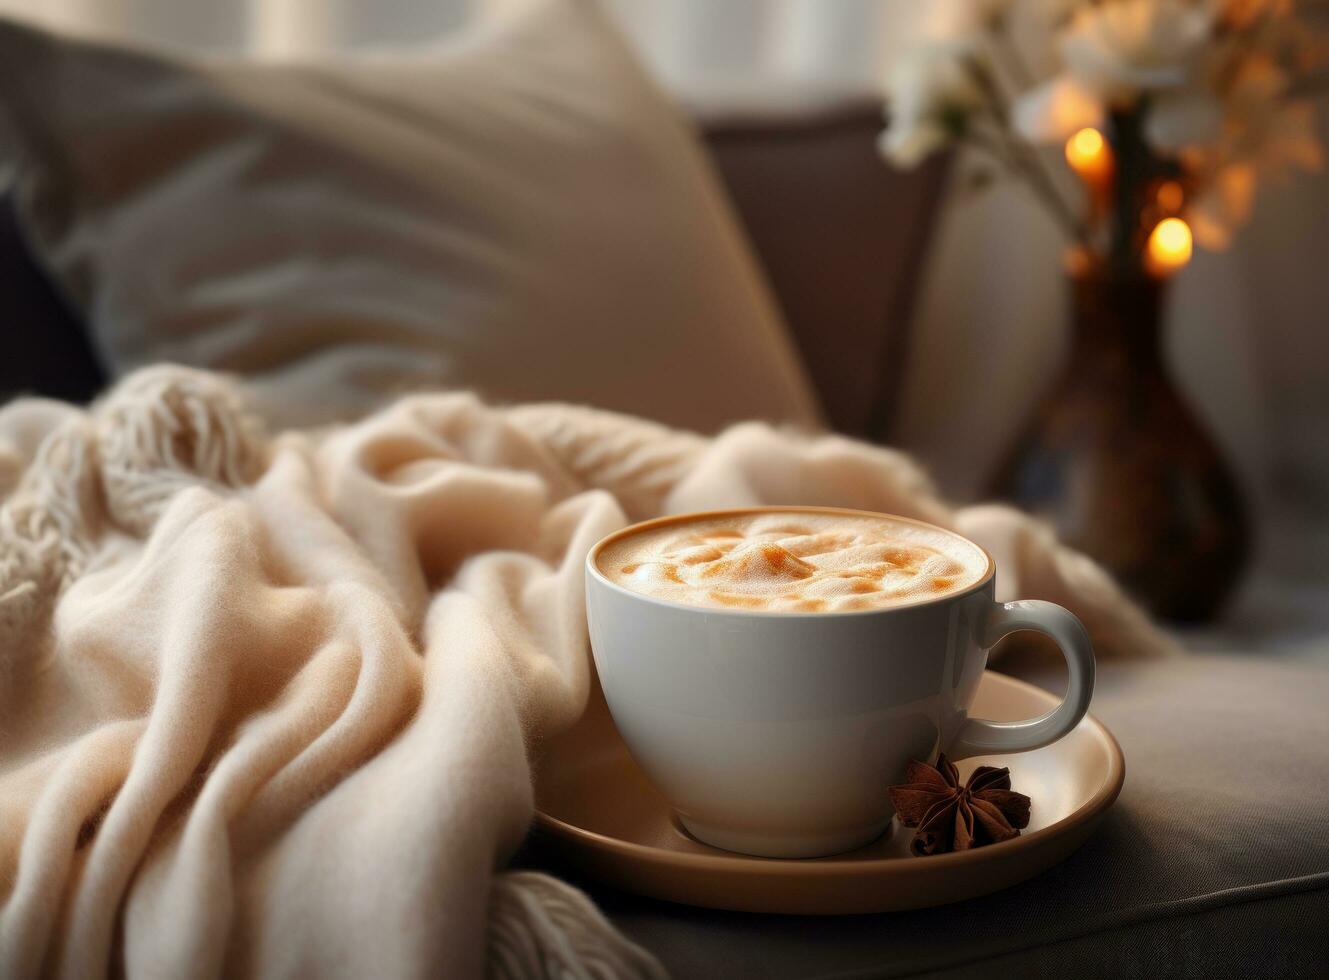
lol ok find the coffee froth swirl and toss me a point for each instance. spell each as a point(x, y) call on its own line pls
point(792, 561)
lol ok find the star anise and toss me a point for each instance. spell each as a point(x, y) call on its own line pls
point(951, 817)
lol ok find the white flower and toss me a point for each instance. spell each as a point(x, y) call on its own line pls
point(1121, 49)
point(1053, 111)
point(1114, 51)
point(932, 92)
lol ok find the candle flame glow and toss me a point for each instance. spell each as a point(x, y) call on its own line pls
point(1086, 150)
point(1169, 245)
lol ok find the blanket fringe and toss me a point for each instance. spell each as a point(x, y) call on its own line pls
point(161, 430)
point(166, 428)
point(540, 927)
point(47, 527)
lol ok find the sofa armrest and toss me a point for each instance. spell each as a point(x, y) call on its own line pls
point(841, 235)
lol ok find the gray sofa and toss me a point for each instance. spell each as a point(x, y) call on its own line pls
point(1214, 862)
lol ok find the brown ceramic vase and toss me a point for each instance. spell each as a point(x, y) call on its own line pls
point(1118, 463)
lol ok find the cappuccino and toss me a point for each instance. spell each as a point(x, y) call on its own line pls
point(792, 561)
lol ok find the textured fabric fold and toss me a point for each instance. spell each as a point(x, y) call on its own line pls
point(268, 702)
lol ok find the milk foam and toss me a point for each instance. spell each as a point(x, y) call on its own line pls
point(793, 561)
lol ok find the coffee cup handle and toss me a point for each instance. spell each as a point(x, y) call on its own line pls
point(980, 737)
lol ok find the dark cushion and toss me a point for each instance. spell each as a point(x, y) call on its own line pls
point(43, 349)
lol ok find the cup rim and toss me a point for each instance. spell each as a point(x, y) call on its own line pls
point(593, 568)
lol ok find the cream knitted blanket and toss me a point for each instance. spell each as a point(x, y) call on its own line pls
point(266, 703)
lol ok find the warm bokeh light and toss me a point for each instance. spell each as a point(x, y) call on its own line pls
point(1169, 196)
point(1085, 148)
point(1090, 156)
point(1169, 246)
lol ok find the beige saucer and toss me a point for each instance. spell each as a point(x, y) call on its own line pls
point(596, 809)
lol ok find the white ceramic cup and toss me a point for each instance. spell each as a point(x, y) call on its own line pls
point(777, 733)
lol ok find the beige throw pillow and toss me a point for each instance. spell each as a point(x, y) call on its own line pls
point(520, 212)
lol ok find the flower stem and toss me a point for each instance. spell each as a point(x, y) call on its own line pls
point(1005, 47)
point(1024, 161)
